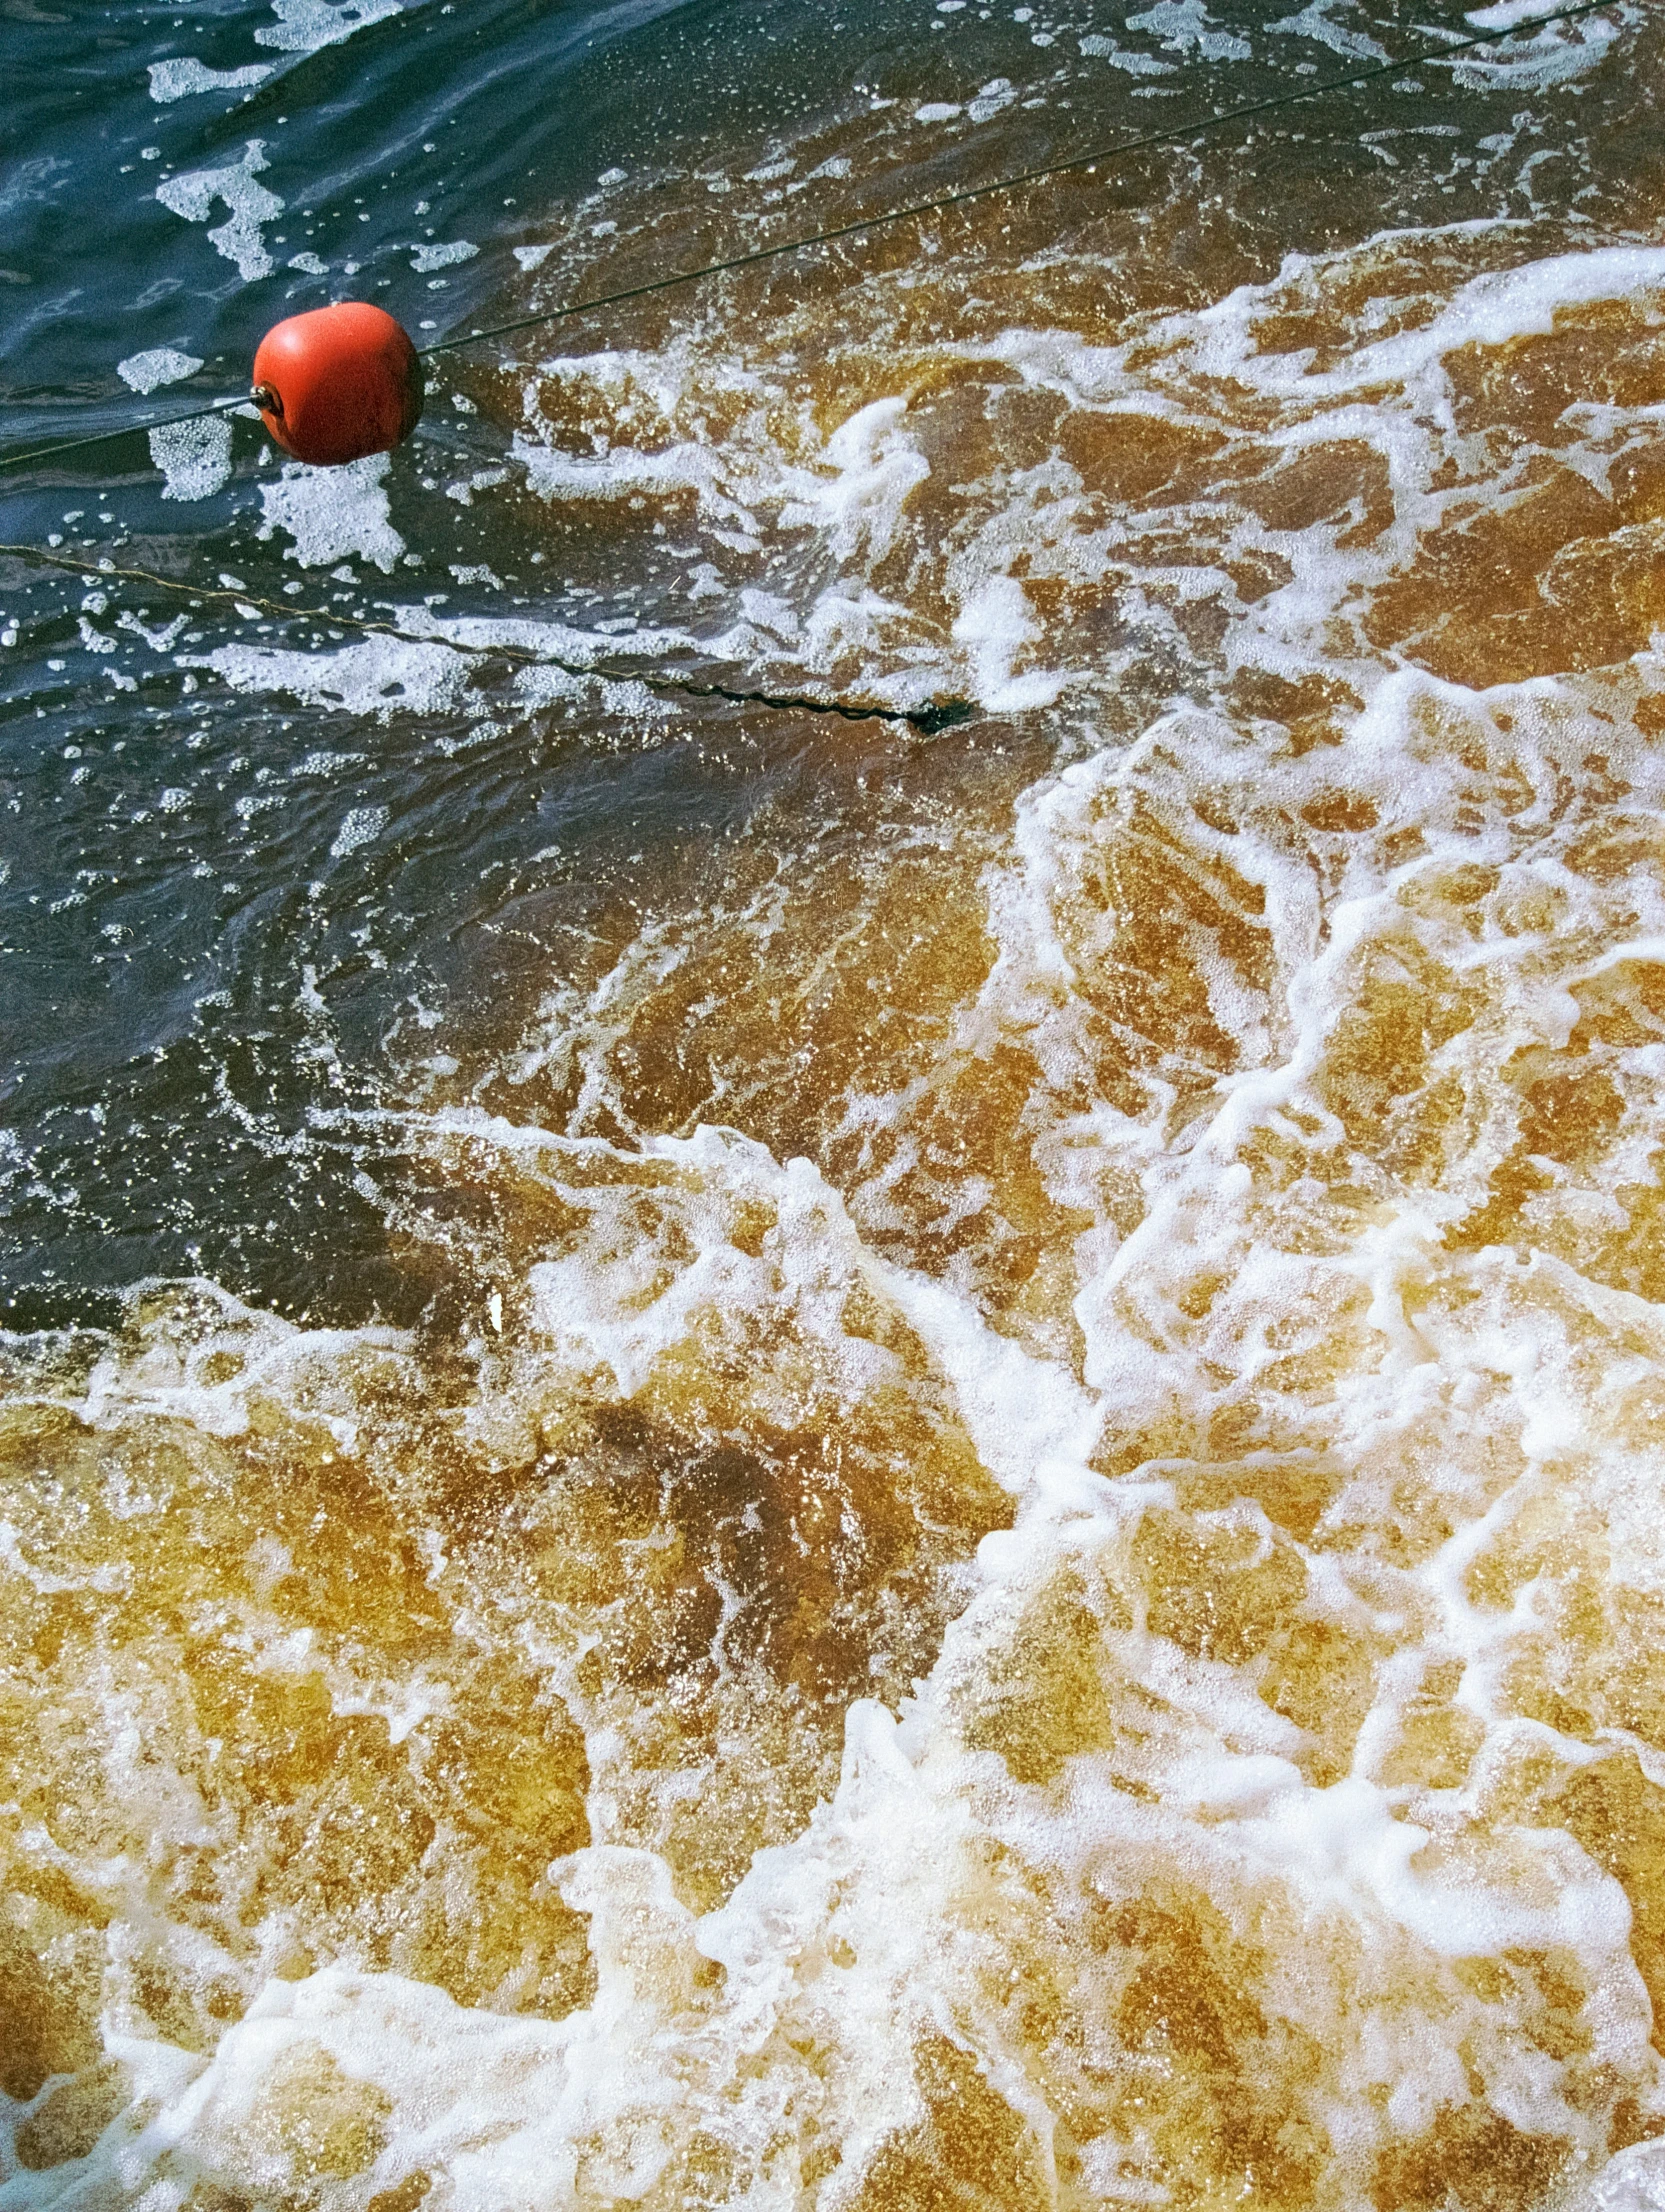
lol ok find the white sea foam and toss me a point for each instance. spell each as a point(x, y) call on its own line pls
point(194, 457)
point(1136, 64)
point(877, 466)
point(365, 823)
point(303, 26)
point(195, 192)
point(880, 1877)
point(1508, 15)
point(332, 512)
point(1554, 56)
point(996, 623)
point(425, 259)
point(147, 372)
point(1317, 21)
point(1634, 2182)
point(380, 677)
point(1185, 26)
point(1490, 311)
point(1270, 1273)
point(180, 79)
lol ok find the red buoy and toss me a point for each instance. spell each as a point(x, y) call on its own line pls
point(338, 383)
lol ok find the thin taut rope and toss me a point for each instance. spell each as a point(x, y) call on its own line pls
point(929, 720)
point(1105, 156)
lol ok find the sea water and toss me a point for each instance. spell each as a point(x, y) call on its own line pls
point(753, 1460)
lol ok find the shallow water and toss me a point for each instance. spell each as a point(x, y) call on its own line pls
point(751, 1460)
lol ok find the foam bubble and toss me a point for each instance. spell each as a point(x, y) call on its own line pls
point(1135, 64)
point(331, 512)
point(180, 79)
point(992, 99)
point(996, 623)
point(194, 457)
point(1633, 2182)
point(1315, 21)
point(1557, 54)
point(1184, 27)
point(425, 259)
point(304, 26)
point(361, 827)
point(146, 372)
point(380, 677)
point(193, 195)
point(877, 467)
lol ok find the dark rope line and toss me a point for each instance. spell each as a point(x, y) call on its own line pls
point(928, 720)
point(125, 430)
point(1107, 156)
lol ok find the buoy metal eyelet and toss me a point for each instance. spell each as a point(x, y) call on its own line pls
point(268, 399)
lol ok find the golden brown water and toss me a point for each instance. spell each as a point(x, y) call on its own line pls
point(1019, 1560)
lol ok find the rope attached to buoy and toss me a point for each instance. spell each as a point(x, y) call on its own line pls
point(337, 383)
point(1105, 156)
point(929, 720)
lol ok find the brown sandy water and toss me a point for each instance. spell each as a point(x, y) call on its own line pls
point(1009, 1552)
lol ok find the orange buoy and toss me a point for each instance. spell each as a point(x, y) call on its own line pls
point(337, 383)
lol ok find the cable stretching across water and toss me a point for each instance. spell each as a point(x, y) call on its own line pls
point(1175, 134)
point(938, 715)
